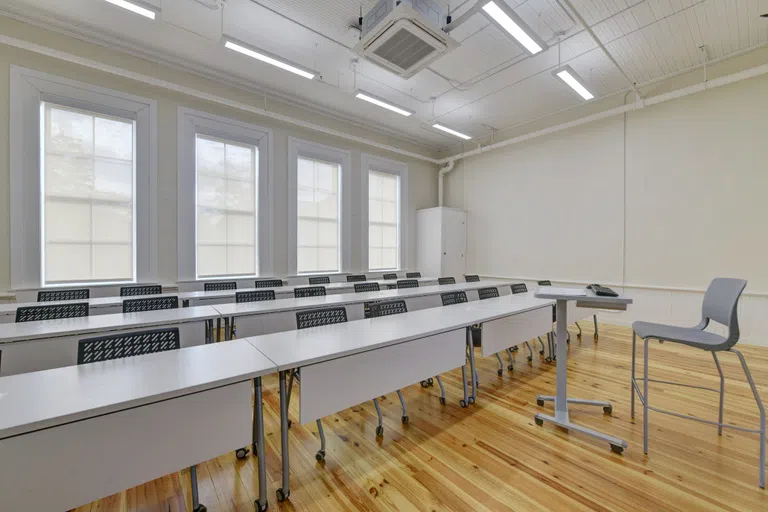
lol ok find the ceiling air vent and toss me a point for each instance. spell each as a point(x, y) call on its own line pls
point(404, 36)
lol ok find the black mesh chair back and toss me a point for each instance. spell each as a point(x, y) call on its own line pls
point(268, 283)
point(53, 295)
point(255, 296)
point(356, 278)
point(309, 291)
point(452, 298)
point(390, 276)
point(446, 280)
point(220, 286)
point(367, 287)
point(413, 275)
point(472, 278)
point(407, 283)
point(488, 293)
point(386, 308)
point(546, 282)
point(151, 304)
point(117, 346)
point(142, 289)
point(51, 312)
point(318, 317)
point(519, 288)
point(320, 280)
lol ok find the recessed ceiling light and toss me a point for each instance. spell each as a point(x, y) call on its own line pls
point(148, 11)
point(370, 98)
point(452, 132)
point(508, 20)
point(569, 76)
point(269, 59)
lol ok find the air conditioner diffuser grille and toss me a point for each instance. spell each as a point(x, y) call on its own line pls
point(404, 49)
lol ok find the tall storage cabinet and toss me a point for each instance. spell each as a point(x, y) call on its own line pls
point(442, 242)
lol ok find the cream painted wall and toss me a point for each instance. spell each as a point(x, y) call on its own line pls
point(422, 176)
point(694, 195)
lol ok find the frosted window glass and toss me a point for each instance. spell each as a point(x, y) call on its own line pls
point(317, 216)
point(383, 221)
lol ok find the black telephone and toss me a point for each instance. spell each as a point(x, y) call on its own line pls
point(602, 291)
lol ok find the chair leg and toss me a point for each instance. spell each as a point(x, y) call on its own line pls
point(632, 380)
point(579, 328)
point(511, 361)
point(380, 427)
point(645, 394)
point(320, 455)
point(762, 415)
point(594, 317)
point(530, 352)
point(288, 394)
point(722, 394)
point(404, 418)
point(442, 389)
point(500, 371)
point(541, 352)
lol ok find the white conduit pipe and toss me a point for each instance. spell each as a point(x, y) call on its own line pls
point(443, 171)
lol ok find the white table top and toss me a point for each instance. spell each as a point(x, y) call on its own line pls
point(548, 292)
point(11, 332)
point(96, 302)
point(292, 304)
point(292, 349)
point(37, 400)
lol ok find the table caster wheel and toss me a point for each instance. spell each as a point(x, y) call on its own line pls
point(541, 352)
point(540, 402)
point(515, 349)
point(320, 456)
point(608, 409)
point(510, 368)
point(595, 336)
point(241, 453)
point(259, 507)
point(430, 381)
point(471, 400)
point(200, 508)
point(404, 419)
point(379, 431)
point(615, 448)
point(282, 495)
point(547, 359)
point(442, 400)
point(424, 384)
point(462, 403)
point(578, 336)
point(530, 359)
point(538, 421)
point(500, 372)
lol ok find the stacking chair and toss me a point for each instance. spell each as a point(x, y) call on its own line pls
point(356, 278)
point(446, 280)
point(249, 296)
point(387, 277)
point(413, 275)
point(218, 286)
point(720, 305)
point(387, 308)
point(449, 299)
point(407, 283)
point(142, 289)
point(491, 293)
point(522, 288)
point(51, 312)
point(309, 291)
point(367, 287)
point(268, 283)
point(320, 280)
point(472, 278)
point(304, 320)
point(150, 304)
point(54, 295)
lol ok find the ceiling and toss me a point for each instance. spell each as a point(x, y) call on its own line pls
point(488, 83)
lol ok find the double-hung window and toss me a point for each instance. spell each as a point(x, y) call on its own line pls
point(385, 185)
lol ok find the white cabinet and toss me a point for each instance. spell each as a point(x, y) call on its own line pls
point(442, 242)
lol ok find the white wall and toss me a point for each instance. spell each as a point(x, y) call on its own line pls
point(422, 177)
point(685, 182)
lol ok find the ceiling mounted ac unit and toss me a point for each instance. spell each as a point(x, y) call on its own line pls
point(404, 36)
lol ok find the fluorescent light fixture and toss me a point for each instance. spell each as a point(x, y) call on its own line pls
point(452, 132)
point(508, 20)
point(137, 7)
point(569, 76)
point(370, 98)
point(269, 59)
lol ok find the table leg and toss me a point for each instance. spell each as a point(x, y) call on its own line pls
point(284, 492)
point(218, 329)
point(196, 506)
point(473, 370)
point(258, 444)
point(227, 336)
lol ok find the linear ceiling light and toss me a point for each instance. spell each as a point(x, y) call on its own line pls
point(508, 20)
point(137, 7)
point(269, 59)
point(569, 76)
point(370, 98)
point(452, 132)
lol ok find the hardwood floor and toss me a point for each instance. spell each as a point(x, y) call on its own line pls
point(491, 456)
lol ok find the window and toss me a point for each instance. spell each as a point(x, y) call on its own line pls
point(88, 196)
point(383, 221)
point(227, 206)
point(317, 227)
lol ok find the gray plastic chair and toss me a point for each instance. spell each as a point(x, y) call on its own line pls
point(720, 305)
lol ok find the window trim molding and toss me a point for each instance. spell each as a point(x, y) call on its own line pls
point(299, 147)
point(27, 89)
point(383, 165)
point(189, 123)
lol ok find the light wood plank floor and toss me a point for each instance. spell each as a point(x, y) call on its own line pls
point(492, 456)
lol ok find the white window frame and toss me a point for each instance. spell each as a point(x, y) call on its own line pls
point(312, 150)
point(28, 89)
point(190, 123)
point(384, 166)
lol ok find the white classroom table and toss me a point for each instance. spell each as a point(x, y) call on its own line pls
point(563, 296)
point(96, 306)
point(69, 436)
point(46, 344)
point(381, 355)
point(265, 317)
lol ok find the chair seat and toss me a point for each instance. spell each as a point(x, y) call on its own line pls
point(685, 335)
